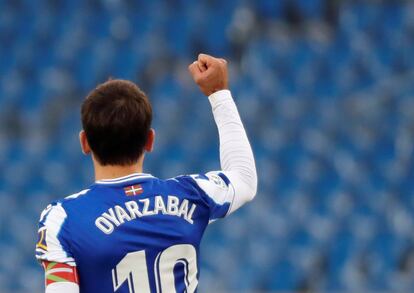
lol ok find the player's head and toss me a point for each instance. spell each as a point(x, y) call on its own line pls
point(116, 120)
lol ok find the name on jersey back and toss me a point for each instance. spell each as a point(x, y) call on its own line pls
point(131, 210)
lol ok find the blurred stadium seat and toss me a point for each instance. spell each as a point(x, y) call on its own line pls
point(326, 90)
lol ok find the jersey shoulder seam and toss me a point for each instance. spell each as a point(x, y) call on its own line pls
point(76, 195)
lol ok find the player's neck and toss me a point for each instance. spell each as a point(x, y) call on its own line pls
point(116, 171)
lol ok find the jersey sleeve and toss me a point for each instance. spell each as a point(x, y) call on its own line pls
point(52, 242)
point(218, 191)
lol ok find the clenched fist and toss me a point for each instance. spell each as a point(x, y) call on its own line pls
point(209, 73)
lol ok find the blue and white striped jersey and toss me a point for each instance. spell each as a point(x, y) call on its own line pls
point(135, 232)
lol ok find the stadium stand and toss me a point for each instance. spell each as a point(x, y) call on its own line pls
point(326, 92)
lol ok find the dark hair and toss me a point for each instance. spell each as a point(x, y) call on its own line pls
point(116, 117)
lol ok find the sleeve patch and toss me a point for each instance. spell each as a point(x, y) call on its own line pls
point(218, 180)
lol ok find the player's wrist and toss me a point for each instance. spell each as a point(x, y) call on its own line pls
point(220, 96)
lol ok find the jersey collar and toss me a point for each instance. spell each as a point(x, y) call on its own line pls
point(130, 177)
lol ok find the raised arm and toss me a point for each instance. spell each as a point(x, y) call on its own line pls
point(236, 156)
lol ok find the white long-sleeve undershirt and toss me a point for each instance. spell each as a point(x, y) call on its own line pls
point(236, 155)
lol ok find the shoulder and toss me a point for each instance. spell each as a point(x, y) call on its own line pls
point(56, 209)
point(54, 216)
point(212, 180)
point(212, 184)
point(190, 182)
point(74, 198)
point(76, 195)
point(183, 182)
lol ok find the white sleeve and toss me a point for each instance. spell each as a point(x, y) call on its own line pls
point(62, 287)
point(52, 246)
point(236, 156)
point(52, 243)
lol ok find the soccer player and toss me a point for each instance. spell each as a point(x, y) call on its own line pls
point(130, 231)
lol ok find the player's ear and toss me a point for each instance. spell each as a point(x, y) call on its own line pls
point(149, 146)
point(84, 143)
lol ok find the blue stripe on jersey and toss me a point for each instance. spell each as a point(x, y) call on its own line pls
point(201, 176)
point(219, 211)
point(225, 179)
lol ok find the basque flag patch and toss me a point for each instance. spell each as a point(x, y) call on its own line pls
point(133, 190)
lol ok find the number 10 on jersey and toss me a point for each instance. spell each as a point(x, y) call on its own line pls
point(133, 269)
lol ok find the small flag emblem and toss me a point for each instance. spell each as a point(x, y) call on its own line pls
point(133, 190)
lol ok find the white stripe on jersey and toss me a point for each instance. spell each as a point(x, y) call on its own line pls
point(125, 178)
point(76, 195)
point(54, 221)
